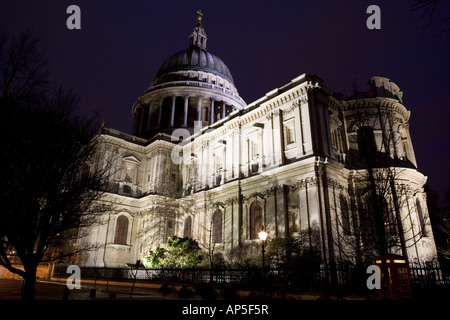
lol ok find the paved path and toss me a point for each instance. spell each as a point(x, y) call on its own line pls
point(10, 289)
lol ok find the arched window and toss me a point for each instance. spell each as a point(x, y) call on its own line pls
point(121, 230)
point(217, 226)
point(170, 228)
point(256, 219)
point(345, 215)
point(366, 143)
point(85, 172)
point(188, 227)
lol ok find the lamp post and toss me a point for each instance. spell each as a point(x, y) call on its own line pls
point(263, 236)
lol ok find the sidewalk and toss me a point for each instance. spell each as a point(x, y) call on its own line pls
point(10, 289)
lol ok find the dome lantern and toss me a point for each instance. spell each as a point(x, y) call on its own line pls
point(198, 36)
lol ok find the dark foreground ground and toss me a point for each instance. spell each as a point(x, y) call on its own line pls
point(145, 301)
point(54, 289)
point(10, 289)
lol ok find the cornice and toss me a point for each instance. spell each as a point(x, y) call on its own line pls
point(387, 105)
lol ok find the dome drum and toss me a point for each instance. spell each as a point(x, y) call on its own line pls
point(172, 111)
point(190, 88)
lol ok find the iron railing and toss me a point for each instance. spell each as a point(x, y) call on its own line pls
point(333, 280)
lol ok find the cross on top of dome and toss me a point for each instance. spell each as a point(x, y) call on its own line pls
point(200, 15)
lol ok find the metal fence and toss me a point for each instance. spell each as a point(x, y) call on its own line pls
point(428, 275)
point(326, 280)
point(323, 279)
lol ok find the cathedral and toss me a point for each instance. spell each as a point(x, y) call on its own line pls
point(202, 163)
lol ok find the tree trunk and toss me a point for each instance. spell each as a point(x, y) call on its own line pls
point(29, 283)
point(29, 288)
point(211, 275)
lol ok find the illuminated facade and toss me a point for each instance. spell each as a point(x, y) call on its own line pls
point(202, 163)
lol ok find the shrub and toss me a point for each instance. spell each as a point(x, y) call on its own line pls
point(206, 291)
point(185, 292)
point(155, 259)
point(164, 289)
point(229, 292)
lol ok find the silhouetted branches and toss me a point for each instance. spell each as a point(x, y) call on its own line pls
point(429, 9)
point(52, 180)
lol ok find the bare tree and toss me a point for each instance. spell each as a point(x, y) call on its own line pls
point(211, 228)
point(51, 178)
point(370, 224)
point(429, 9)
point(22, 67)
point(377, 193)
point(162, 219)
point(441, 226)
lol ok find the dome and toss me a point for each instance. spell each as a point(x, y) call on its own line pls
point(193, 88)
point(193, 58)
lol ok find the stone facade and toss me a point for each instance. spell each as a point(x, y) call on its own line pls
point(201, 162)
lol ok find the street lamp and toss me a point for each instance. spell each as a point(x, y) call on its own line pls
point(263, 236)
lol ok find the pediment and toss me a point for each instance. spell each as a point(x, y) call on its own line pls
point(131, 159)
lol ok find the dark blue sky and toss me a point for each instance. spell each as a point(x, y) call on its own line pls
point(265, 44)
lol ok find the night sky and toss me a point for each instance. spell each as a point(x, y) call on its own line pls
point(265, 44)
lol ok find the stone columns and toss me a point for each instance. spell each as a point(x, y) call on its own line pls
point(149, 114)
point(261, 158)
point(212, 112)
point(305, 127)
point(172, 111)
point(223, 109)
point(160, 111)
point(273, 160)
point(141, 120)
point(278, 137)
point(299, 130)
point(396, 140)
point(186, 106)
point(224, 163)
point(141, 125)
point(199, 109)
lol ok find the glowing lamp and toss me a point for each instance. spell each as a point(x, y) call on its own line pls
point(263, 234)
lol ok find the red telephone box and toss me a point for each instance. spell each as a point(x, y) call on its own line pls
point(397, 268)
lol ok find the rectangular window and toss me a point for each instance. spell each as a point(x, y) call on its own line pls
point(254, 149)
point(126, 189)
point(289, 132)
